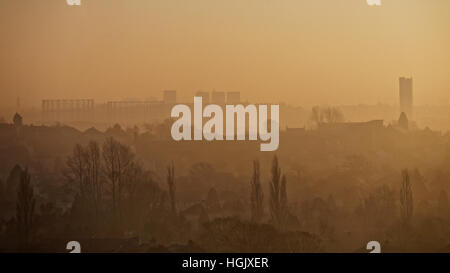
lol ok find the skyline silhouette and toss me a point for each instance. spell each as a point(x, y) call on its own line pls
point(302, 52)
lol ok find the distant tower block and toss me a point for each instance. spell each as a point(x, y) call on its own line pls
point(170, 96)
point(233, 97)
point(406, 96)
point(204, 95)
point(218, 97)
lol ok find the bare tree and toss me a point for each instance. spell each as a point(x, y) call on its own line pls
point(124, 160)
point(275, 190)
point(118, 163)
point(25, 206)
point(133, 177)
point(76, 163)
point(406, 199)
point(171, 184)
point(320, 115)
point(278, 196)
point(109, 153)
point(283, 196)
point(256, 196)
point(84, 167)
point(131, 207)
point(332, 115)
point(94, 173)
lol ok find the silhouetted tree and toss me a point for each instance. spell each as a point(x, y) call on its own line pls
point(110, 168)
point(236, 236)
point(134, 176)
point(84, 167)
point(133, 207)
point(378, 209)
point(25, 207)
point(256, 197)
point(321, 115)
point(283, 196)
point(12, 183)
point(171, 185)
point(278, 195)
point(275, 190)
point(406, 199)
point(94, 173)
point(118, 160)
point(17, 120)
point(332, 115)
point(124, 160)
point(76, 163)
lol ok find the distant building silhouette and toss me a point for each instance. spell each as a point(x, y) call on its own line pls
point(170, 97)
point(403, 121)
point(17, 120)
point(218, 97)
point(130, 111)
point(233, 97)
point(372, 124)
point(135, 112)
point(406, 96)
point(67, 110)
point(204, 95)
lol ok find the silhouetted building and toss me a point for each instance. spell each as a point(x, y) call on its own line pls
point(372, 124)
point(134, 112)
point(170, 96)
point(17, 120)
point(204, 95)
point(68, 110)
point(233, 97)
point(403, 121)
point(218, 97)
point(406, 96)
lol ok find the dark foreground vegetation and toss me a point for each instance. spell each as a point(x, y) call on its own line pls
point(330, 189)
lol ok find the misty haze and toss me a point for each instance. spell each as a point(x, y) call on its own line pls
point(87, 152)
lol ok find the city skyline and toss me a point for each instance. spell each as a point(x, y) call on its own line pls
point(301, 52)
point(195, 127)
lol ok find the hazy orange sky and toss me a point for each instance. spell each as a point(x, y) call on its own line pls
point(297, 51)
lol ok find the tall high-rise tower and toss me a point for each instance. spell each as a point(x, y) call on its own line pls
point(406, 96)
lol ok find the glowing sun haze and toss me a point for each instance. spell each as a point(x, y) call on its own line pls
point(301, 52)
